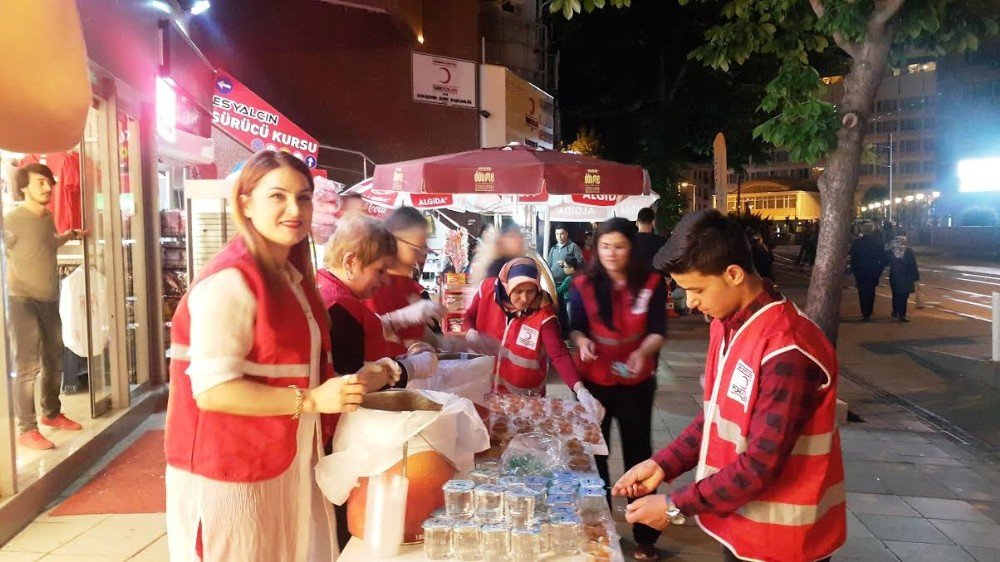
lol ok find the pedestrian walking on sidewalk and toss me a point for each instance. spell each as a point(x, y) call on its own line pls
point(903, 275)
point(618, 322)
point(249, 380)
point(770, 477)
point(867, 262)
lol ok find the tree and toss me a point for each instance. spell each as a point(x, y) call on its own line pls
point(870, 34)
point(586, 142)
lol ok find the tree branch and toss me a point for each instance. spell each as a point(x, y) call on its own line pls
point(885, 10)
point(850, 47)
point(818, 8)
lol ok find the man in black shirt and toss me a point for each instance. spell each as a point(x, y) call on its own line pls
point(647, 242)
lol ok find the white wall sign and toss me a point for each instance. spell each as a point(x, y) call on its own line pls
point(444, 81)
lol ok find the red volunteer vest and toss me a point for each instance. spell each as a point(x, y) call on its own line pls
point(398, 293)
point(334, 291)
point(801, 517)
point(231, 447)
point(522, 363)
point(617, 343)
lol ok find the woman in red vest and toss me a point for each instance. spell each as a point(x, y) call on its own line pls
point(401, 302)
point(514, 310)
point(357, 264)
point(249, 379)
point(618, 322)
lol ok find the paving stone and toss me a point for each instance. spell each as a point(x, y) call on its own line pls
point(984, 554)
point(922, 552)
point(879, 504)
point(973, 491)
point(864, 550)
point(906, 529)
point(951, 510)
point(856, 529)
point(985, 535)
point(991, 509)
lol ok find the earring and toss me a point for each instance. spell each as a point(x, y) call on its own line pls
point(350, 276)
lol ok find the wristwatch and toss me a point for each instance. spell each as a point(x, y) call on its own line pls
point(674, 514)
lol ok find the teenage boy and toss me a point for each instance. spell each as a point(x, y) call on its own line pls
point(770, 478)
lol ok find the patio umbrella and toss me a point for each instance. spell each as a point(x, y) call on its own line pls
point(512, 170)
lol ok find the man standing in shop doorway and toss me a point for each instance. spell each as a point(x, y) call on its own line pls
point(562, 249)
point(33, 297)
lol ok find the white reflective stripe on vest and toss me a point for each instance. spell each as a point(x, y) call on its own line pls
point(817, 444)
point(791, 514)
point(618, 341)
point(291, 370)
point(518, 360)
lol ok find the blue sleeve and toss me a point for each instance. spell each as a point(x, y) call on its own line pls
point(577, 313)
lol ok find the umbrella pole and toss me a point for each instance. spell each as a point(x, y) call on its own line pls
point(547, 235)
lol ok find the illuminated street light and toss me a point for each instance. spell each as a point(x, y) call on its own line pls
point(936, 194)
point(887, 202)
point(899, 200)
point(909, 198)
point(200, 7)
point(864, 209)
point(920, 197)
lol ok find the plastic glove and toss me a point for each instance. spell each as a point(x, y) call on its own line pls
point(591, 404)
point(482, 343)
point(418, 313)
point(420, 365)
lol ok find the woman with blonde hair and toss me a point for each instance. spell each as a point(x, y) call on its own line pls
point(250, 380)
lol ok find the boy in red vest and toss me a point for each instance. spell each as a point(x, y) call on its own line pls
point(770, 478)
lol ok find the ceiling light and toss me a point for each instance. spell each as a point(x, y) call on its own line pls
point(200, 7)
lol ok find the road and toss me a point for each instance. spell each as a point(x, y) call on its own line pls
point(955, 285)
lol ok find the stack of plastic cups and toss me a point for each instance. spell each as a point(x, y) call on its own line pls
point(437, 539)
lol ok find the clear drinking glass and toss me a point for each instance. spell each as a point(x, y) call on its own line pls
point(488, 501)
point(566, 535)
point(598, 551)
point(437, 539)
point(545, 541)
point(496, 542)
point(519, 504)
point(485, 476)
point(593, 505)
point(511, 482)
point(466, 543)
point(458, 499)
point(525, 544)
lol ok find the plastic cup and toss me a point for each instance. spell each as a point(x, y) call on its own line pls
point(458, 499)
point(466, 541)
point(496, 542)
point(488, 502)
point(437, 539)
point(525, 544)
point(566, 535)
point(519, 504)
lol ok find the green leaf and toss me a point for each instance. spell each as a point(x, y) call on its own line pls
point(567, 9)
point(599, 3)
point(555, 6)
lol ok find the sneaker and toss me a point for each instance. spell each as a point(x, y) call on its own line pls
point(34, 440)
point(61, 422)
point(645, 552)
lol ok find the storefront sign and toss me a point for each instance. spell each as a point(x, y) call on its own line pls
point(529, 113)
point(444, 81)
point(595, 200)
point(166, 110)
point(256, 124)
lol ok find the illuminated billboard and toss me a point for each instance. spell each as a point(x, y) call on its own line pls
point(978, 175)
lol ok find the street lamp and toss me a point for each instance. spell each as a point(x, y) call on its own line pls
point(909, 198)
point(920, 197)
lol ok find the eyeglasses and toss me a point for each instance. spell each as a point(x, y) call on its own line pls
point(423, 249)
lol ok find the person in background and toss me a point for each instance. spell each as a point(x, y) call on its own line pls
point(562, 249)
point(868, 259)
point(570, 267)
point(512, 318)
point(618, 324)
point(31, 241)
point(903, 275)
point(401, 302)
point(763, 257)
point(508, 245)
point(250, 384)
point(352, 203)
point(647, 242)
point(770, 476)
point(810, 241)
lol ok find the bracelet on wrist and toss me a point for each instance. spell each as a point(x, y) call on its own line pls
point(300, 399)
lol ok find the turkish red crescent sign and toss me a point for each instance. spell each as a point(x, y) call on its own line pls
point(256, 124)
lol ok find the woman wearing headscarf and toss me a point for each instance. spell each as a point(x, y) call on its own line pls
point(903, 275)
point(514, 310)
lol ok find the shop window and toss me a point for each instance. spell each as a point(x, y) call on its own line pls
point(886, 106)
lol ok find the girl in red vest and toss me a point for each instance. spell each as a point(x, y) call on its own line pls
point(770, 478)
point(514, 310)
point(401, 302)
point(618, 322)
point(249, 377)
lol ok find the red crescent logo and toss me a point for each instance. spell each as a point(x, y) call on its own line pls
point(447, 74)
point(531, 106)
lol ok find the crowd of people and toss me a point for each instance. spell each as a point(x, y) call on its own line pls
point(870, 254)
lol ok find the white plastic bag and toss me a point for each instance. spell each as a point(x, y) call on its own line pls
point(369, 442)
point(468, 378)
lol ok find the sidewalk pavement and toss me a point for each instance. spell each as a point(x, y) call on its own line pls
point(915, 493)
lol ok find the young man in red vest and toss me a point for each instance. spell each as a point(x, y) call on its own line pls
point(770, 478)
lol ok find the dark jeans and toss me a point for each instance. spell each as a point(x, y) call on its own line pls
point(37, 348)
point(899, 301)
point(866, 294)
point(632, 407)
point(728, 556)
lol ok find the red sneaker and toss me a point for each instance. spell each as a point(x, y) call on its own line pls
point(61, 422)
point(34, 440)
